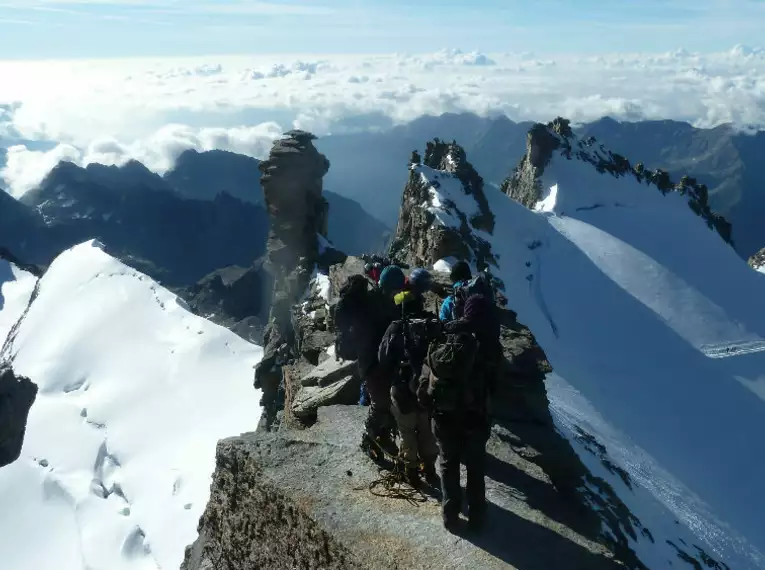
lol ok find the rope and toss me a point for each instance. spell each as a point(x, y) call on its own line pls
point(393, 484)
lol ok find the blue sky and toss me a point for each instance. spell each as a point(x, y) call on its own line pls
point(43, 29)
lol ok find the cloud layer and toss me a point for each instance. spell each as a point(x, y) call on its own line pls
point(153, 109)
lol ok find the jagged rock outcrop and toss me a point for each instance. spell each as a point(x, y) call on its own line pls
point(557, 136)
point(421, 235)
point(292, 187)
point(757, 261)
point(17, 394)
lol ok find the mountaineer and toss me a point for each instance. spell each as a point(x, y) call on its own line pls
point(460, 372)
point(361, 318)
point(459, 275)
point(402, 353)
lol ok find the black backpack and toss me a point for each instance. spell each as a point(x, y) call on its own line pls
point(451, 360)
point(355, 298)
point(417, 334)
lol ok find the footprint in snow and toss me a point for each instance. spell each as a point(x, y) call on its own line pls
point(76, 385)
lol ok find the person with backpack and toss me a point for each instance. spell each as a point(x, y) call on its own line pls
point(460, 275)
point(402, 353)
point(361, 317)
point(460, 370)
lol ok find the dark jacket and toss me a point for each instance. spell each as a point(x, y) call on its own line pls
point(370, 313)
point(403, 350)
point(488, 361)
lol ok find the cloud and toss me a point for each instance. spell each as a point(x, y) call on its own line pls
point(26, 168)
point(152, 109)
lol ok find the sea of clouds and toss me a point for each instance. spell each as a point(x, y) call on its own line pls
point(111, 111)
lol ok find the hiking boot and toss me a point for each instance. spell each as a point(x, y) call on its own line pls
point(451, 523)
point(476, 519)
point(412, 476)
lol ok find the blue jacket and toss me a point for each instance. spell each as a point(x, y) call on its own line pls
point(447, 307)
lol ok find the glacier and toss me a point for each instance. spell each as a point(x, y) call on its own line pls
point(134, 394)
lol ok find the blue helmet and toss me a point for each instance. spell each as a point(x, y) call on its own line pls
point(421, 280)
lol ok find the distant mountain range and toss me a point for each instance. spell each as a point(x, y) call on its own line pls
point(203, 175)
point(205, 214)
point(366, 166)
point(365, 180)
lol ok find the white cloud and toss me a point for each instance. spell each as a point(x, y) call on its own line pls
point(26, 168)
point(152, 109)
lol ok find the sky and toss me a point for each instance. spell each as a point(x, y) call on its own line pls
point(44, 29)
point(112, 80)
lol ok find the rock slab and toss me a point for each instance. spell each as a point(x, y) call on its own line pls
point(301, 499)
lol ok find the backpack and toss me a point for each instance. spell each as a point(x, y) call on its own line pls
point(478, 285)
point(451, 360)
point(354, 302)
point(417, 334)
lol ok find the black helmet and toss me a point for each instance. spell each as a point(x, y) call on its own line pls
point(460, 272)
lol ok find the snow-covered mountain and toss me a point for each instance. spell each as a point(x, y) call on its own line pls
point(653, 324)
point(134, 393)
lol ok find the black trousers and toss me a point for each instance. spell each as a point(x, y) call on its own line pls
point(462, 438)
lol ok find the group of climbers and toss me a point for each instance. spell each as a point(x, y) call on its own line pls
point(428, 377)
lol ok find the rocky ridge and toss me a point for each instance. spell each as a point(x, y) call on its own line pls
point(300, 493)
point(757, 261)
point(302, 477)
point(421, 237)
point(543, 141)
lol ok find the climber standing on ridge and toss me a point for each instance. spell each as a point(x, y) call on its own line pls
point(460, 371)
point(403, 350)
point(460, 275)
point(361, 318)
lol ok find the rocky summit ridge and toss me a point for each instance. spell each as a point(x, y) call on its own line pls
point(557, 137)
point(300, 493)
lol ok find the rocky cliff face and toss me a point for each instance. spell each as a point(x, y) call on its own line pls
point(17, 394)
point(292, 187)
point(421, 236)
point(543, 141)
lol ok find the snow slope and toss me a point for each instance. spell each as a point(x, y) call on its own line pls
point(16, 287)
point(135, 391)
point(655, 321)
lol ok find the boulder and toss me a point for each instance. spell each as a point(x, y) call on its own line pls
point(17, 394)
point(310, 398)
point(328, 372)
